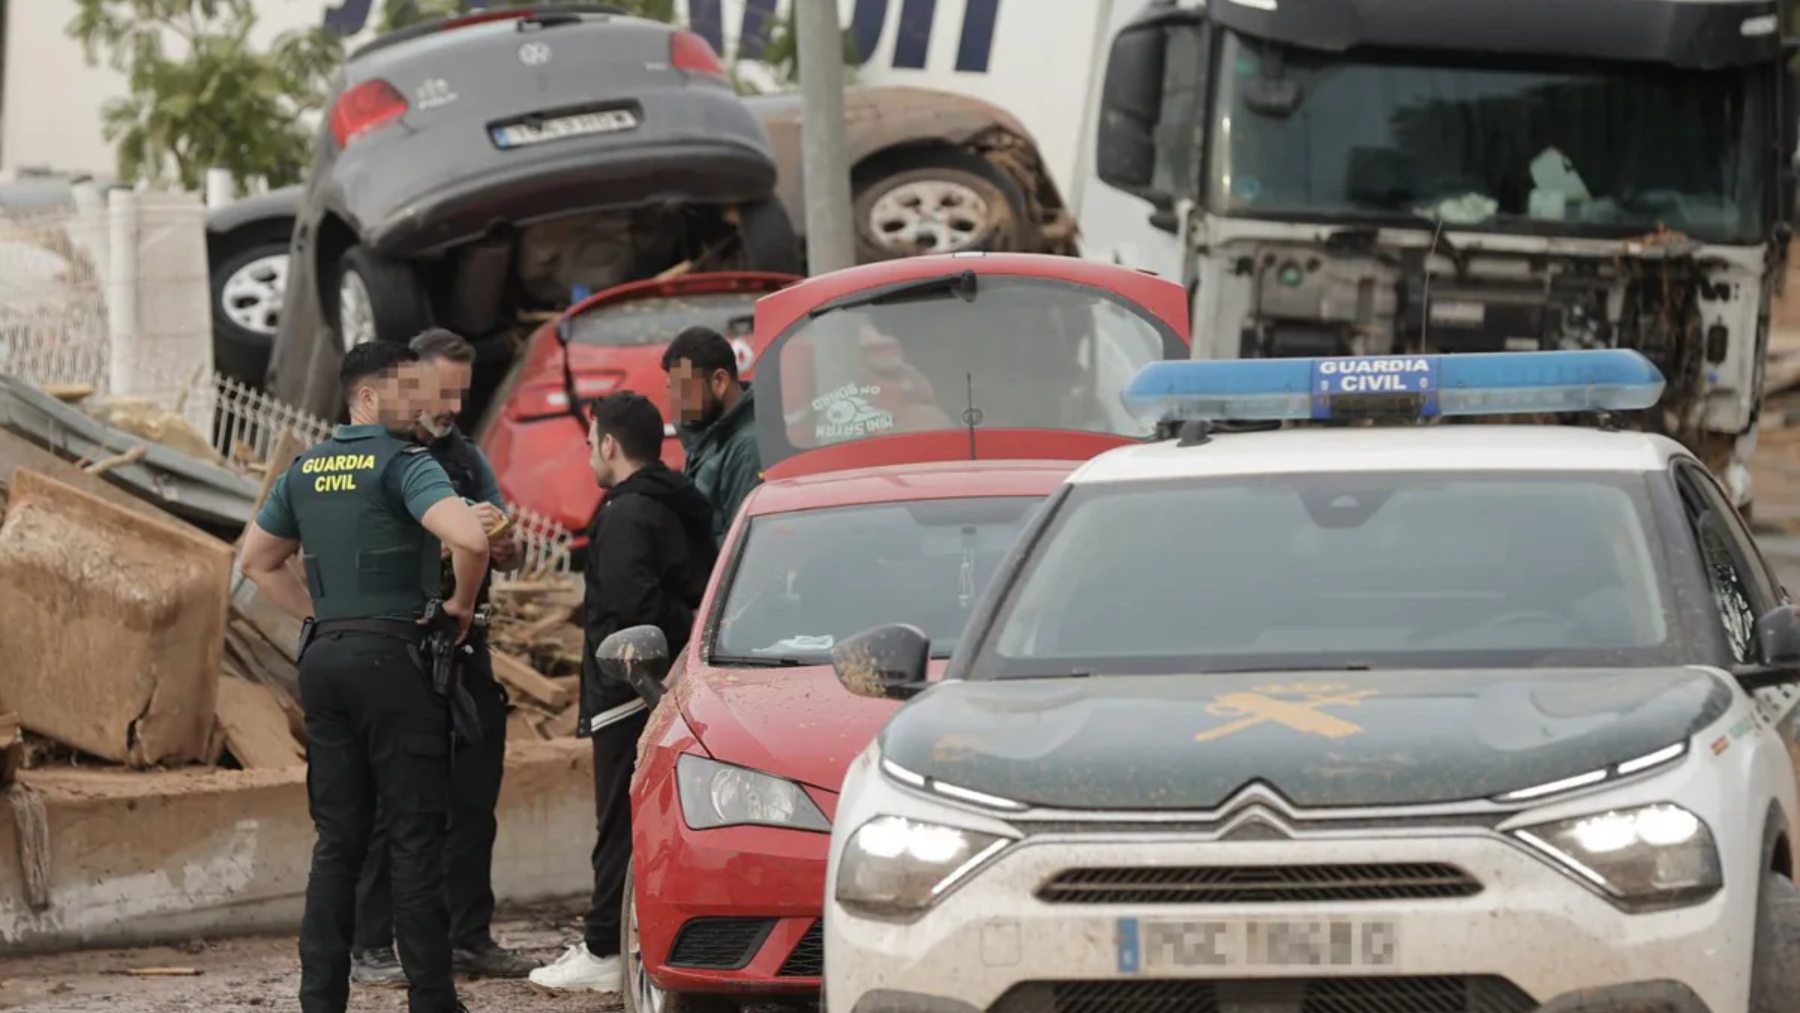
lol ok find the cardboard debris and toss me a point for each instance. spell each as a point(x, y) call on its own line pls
point(256, 727)
point(114, 624)
point(517, 675)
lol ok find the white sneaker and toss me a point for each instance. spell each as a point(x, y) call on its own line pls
point(579, 969)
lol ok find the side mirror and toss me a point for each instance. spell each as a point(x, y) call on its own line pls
point(638, 657)
point(1130, 105)
point(885, 663)
point(1778, 637)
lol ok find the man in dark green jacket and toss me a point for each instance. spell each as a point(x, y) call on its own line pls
point(716, 420)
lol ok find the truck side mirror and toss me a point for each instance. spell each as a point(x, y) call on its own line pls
point(637, 657)
point(1130, 105)
point(885, 663)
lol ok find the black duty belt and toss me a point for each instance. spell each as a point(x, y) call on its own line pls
point(400, 629)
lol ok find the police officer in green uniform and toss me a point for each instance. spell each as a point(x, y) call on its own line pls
point(367, 511)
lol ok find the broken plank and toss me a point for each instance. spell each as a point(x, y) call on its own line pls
point(564, 725)
point(12, 748)
point(520, 728)
point(256, 727)
point(518, 675)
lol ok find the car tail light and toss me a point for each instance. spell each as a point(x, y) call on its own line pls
point(366, 107)
point(692, 53)
point(548, 399)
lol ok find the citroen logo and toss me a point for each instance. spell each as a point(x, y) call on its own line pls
point(534, 54)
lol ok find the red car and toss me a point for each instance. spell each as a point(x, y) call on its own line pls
point(911, 416)
point(615, 342)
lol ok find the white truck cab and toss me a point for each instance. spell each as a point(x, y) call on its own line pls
point(1355, 714)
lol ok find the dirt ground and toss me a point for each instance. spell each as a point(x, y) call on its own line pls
point(262, 974)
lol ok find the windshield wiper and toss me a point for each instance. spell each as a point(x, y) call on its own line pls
point(962, 285)
point(1288, 668)
point(758, 661)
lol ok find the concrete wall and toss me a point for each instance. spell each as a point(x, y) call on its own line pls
point(166, 857)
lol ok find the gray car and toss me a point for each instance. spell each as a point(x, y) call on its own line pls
point(475, 169)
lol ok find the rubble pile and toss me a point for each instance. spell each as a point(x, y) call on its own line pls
point(132, 640)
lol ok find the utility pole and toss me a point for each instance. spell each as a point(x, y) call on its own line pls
point(830, 237)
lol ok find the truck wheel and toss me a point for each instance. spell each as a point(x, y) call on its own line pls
point(641, 994)
point(769, 242)
point(1775, 970)
point(376, 299)
point(935, 200)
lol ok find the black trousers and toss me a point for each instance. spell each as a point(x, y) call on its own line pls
point(615, 754)
point(469, 849)
point(376, 735)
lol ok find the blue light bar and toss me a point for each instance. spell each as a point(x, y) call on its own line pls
point(1420, 386)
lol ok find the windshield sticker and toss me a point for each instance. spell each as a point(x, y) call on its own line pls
point(848, 414)
point(800, 644)
point(1297, 707)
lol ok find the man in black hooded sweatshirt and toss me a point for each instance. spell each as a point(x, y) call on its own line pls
point(650, 552)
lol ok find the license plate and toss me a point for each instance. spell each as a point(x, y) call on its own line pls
point(610, 121)
point(1155, 945)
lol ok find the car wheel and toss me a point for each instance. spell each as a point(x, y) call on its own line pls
point(641, 994)
point(247, 288)
point(935, 201)
point(1775, 972)
point(769, 240)
point(376, 299)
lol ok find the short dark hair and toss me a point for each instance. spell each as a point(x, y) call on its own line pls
point(372, 359)
point(438, 343)
point(704, 348)
point(631, 419)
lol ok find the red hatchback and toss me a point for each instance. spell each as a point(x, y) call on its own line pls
point(912, 415)
point(615, 341)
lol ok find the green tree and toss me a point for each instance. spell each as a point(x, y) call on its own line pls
point(200, 95)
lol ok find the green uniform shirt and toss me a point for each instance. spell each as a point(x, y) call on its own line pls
point(408, 483)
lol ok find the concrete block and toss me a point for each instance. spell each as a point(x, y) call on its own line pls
point(137, 859)
point(114, 625)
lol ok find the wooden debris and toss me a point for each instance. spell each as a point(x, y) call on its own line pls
point(106, 464)
point(69, 393)
point(518, 675)
point(521, 728)
point(256, 727)
point(564, 725)
point(12, 748)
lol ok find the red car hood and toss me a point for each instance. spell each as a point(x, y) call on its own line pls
point(797, 723)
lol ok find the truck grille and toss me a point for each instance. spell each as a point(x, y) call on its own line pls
point(719, 944)
point(808, 958)
point(1313, 995)
point(1258, 884)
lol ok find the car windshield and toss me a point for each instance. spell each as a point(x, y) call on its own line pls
point(1553, 147)
point(656, 320)
point(1330, 571)
point(1023, 353)
point(808, 579)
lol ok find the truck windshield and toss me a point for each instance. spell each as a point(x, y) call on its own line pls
point(1590, 148)
point(1324, 571)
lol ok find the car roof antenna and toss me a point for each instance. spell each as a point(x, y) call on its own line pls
point(971, 415)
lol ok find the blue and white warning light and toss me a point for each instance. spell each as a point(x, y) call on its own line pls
point(1422, 386)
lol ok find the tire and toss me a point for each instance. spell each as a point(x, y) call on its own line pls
point(769, 240)
point(927, 196)
point(247, 287)
point(1775, 970)
point(391, 304)
point(639, 994)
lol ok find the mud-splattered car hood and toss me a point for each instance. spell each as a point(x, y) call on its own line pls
point(1320, 739)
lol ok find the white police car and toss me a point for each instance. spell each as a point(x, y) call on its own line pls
point(1352, 719)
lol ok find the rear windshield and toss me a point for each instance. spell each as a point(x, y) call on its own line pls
point(1023, 353)
point(1341, 570)
point(656, 321)
point(806, 580)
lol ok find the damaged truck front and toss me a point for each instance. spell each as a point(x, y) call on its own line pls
point(1356, 177)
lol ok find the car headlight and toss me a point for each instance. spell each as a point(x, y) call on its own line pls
point(717, 794)
point(896, 867)
point(1653, 856)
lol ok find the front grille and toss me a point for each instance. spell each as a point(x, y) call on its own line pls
point(1310, 995)
point(1258, 884)
point(808, 958)
point(719, 944)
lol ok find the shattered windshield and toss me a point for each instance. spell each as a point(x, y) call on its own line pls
point(656, 320)
point(808, 579)
point(1023, 353)
point(1592, 148)
point(1292, 572)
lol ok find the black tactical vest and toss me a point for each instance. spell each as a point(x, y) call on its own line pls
point(365, 555)
point(458, 457)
